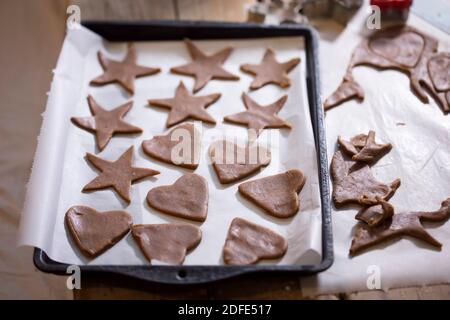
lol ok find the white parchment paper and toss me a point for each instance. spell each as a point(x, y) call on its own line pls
point(420, 135)
point(60, 170)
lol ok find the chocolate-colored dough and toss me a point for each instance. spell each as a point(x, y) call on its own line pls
point(205, 67)
point(247, 243)
point(366, 151)
point(95, 232)
point(270, 71)
point(408, 50)
point(184, 106)
point(162, 147)
point(118, 174)
point(168, 242)
point(277, 194)
point(105, 123)
point(376, 214)
point(232, 162)
point(401, 224)
point(258, 117)
point(187, 198)
point(123, 72)
point(354, 183)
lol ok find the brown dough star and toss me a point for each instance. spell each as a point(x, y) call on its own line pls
point(401, 224)
point(123, 72)
point(205, 67)
point(368, 151)
point(184, 106)
point(104, 123)
point(258, 117)
point(354, 183)
point(270, 71)
point(119, 174)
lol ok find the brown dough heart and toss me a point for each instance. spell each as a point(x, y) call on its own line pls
point(355, 183)
point(162, 147)
point(167, 242)
point(277, 194)
point(247, 243)
point(186, 198)
point(232, 162)
point(95, 232)
point(439, 70)
point(403, 48)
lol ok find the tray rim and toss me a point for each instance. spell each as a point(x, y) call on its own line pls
point(196, 274)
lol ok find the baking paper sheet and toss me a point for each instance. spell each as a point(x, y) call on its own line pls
point(60, 170)
point(420, 135)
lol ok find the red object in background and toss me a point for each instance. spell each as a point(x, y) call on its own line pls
point(394, 4)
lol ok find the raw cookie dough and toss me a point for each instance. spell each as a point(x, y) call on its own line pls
point(364, 148)
point(164, 147)
point(270, 71)
point(376, 214)
point(118, 174)
point(184, 106)
point(354, 183)
point(232, 162)
point(401, 48)
point(167, 242)
point(401, 224)
point(187, 198)
point(123, 72)
point(247, 243)
point(258, 117)
point(95, 232)
point(105, 123)
point(277, 194)
point(205, 67)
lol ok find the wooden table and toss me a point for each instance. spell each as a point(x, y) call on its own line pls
point(45, 22)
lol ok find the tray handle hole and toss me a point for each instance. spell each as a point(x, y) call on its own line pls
point(182, 274)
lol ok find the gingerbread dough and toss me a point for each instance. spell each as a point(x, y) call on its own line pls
point(401, 224)
point(95, 232)
point(118, 174)
point(184, 106)
point(187, 198)
point(376, 214)
point(168, 242)
point(354, 183)
point(105, 123)
point(408, 50)
point(247, 243)
point(123, 72)
point(165, 147)
point(232, 162)
point(258, 117)
point(270, 71)
point(277, 194)
point(364, 148)
point(205, 67)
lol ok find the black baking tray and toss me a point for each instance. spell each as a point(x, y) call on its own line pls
point(178, 30)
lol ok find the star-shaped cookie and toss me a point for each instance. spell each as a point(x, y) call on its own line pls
point(270, 71)
point(104, 123)
point(205, 67)
point(119, 174)
point(184, 106)
point(258, 117)
point(123, 72)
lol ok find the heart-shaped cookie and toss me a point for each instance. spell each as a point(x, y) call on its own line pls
point(439, 70)
point(94, 232)
point(247, 243)
point(180, 146)
point(168, 242)
point(277, 194)
point(232, 162)
point(403, 48)
point(186, 198)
